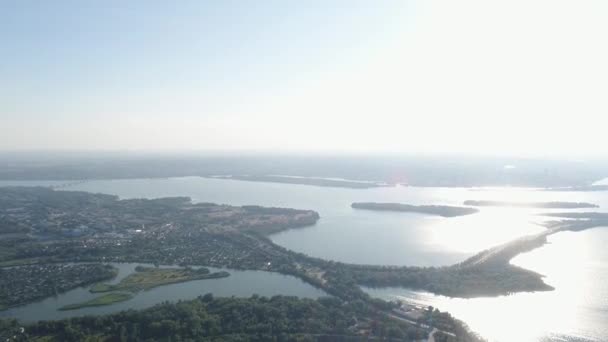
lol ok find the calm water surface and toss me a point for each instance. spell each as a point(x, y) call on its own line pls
point(359, 236)
point(575, 263)
point(240, 284)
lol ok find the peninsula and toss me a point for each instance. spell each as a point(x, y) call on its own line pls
point(438, 210)
point(577, 221)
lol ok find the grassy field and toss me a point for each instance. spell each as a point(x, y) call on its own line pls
point(106, 299)
point(101, 287)
point(146, 278)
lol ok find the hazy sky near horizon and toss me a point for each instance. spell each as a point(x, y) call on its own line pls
point(520, 77)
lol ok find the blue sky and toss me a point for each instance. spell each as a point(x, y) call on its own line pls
point(386, 76)
point(64, 50)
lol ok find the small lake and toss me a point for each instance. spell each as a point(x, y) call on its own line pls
point(239, 284)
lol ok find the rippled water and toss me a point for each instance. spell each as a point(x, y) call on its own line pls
point(575, 263)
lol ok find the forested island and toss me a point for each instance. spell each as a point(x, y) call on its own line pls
point(544, 205)
point(580, 215)
point(338, 183)
point(583, 188)
point(438, 210)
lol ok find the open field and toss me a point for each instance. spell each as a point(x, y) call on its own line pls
point(106, 299)
point(146, 278)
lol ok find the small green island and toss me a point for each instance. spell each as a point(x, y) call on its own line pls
point(544, 205)
point(581, 188)
point(439, 210)
point(145, 278)
point(106, 299)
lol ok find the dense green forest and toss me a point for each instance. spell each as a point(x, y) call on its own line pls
point(278, 318)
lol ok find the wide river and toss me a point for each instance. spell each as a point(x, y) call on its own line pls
point(576, 264)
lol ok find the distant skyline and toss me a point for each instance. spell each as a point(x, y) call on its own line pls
point(525, 78)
